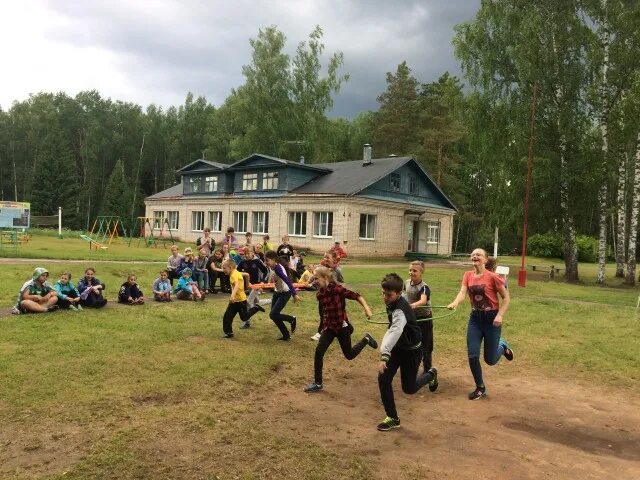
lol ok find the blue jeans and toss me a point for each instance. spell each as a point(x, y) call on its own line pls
point(202, 278)
point(278, 302)
point(481, 327)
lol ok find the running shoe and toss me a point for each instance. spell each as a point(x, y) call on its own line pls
point(79, 307)
point(389, 423)
point(246, 324)
point(228, 335)
point(315, 337)
point(370, 341)
point(507, 352)
point(73, 307)
point(478, 393)
point(433, 384)
point(259, 307)
point(313, 387)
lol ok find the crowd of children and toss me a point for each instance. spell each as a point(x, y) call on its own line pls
point(407, 343)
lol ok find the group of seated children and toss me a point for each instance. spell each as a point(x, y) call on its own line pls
point(38, 295)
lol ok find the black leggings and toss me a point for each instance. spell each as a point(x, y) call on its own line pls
point(326, 339)
point(234, 308)
point(426, 327)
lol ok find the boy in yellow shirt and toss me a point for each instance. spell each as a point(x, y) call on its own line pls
point(237, 300)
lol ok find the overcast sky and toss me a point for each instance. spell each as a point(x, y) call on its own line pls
point(155, 51)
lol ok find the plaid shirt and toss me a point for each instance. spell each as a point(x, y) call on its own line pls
point(333, 305)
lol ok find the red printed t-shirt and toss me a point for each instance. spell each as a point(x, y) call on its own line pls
point(483, 290)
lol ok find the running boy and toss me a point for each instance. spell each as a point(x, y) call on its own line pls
point(418, 295)
point(400, 349)
point(237, 300)
point(335, 323)
point(282, 292)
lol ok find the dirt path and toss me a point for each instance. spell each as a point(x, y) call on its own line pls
point(528, 428)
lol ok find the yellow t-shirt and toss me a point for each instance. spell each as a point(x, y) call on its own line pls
point(306, 276)
point(236, 277)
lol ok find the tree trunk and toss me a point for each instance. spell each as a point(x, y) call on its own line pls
point(633, 221)
point(604, 131)
point(568, 226)
point(621, 229)
point(439, 177)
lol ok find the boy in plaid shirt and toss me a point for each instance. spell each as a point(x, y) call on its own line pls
point(332, 298)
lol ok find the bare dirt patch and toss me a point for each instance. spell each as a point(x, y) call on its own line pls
point(530, 427)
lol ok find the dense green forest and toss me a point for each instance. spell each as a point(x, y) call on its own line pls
point(93, 155)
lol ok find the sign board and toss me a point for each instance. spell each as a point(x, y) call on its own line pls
point(15, 214)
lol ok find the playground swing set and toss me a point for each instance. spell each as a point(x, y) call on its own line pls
point(108, 228)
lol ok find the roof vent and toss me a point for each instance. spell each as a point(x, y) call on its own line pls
point(301, 160)
point(366, 155)
point(393, 155)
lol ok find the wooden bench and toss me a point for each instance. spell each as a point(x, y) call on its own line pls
point(552, 270)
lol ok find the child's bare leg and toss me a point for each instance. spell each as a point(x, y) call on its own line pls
point(31, 306)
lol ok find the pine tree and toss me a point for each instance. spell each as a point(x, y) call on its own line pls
point(118, 194)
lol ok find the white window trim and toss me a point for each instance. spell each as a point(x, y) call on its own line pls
point(369, 239)
point(436, 224)
point(275, 179)
point(254, 216)
point(313, 224)
point(203, 219)
point(246, 221)
point(297, 235)
point(178, 222)
point(209, 216)
point(253, 180)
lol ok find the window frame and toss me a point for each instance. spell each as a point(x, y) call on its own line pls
point(158, 220)
point(255, 221)
point(392, 182)
point(210, 217)
point(249, 180)
point(194, 222)
point(317, 224)
point(270, 180)
point(235, 217)
point(170, 219)
point(413, 185)
point(195, 184)
point(213, 180)
point(433, 226)
point(366, 217)
point(303, 223)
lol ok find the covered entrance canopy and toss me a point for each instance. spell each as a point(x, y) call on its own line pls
point(424, 232)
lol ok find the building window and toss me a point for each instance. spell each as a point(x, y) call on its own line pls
point(394, 180)
point(158, 219)
point(297, 224)
point(215, 221)
point(250, 181)
point(260, 222)
point(197, 221)
point(323, 224)
point(367, 226)
point(173, 218)
point(240, 222)
point(195, 184)
point(211, 184)
point(413, 185)
point(433, 232)
point(270, 181)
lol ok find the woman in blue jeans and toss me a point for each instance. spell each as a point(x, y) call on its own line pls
point(282, 292)
point(485, 322)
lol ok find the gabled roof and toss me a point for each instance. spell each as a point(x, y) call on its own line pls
point(206, 165)
point(171, 192)
point(350, 178)
point(254, 156)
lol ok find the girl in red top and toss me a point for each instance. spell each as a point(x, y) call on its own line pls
point(332, 298)
point(485, 322)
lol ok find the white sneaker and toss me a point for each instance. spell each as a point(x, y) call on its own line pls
point(315, 337)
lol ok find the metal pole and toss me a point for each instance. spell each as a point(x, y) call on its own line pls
point(495, 243)
point(59, 222)
point(522, 274)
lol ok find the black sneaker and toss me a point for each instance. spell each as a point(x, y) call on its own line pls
point(313, 387)
point(228, 335)
point(294, 324)
point(259, 308)
point(389, 423)
point(506, 350)
point(433, 384)
point(370, 341)
point(246, 324)
point(478, 393)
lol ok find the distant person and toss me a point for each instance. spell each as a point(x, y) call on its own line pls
point(68, 295)
point(285, 250)
point(201, 272)
point(36, 295)
point(187, 288)
point(484, 289)
point(162, 287)
point(186, 262)
point(340, 252)
point(267, 246)
point(173, 263)
point(130, 293)
point(206, 242)
point(282, 292)
point(91, 290)
point(230, 239)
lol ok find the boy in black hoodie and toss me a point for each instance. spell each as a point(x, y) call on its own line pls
point(400, 349)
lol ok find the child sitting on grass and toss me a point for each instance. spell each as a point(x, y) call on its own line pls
point(130, 293)
point(68, 295)
point(335, 323)
point(36, 295)
point(162, 287)
point(91, 290)
point(187, 289)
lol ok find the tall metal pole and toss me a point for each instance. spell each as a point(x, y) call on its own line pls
point(522, 274)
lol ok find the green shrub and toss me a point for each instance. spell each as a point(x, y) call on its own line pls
point(587, 248)
point(548, 245)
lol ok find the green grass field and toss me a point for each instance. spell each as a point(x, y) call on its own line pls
point(113, 386)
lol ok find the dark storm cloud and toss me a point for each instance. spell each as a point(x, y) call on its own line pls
point(168, 48)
